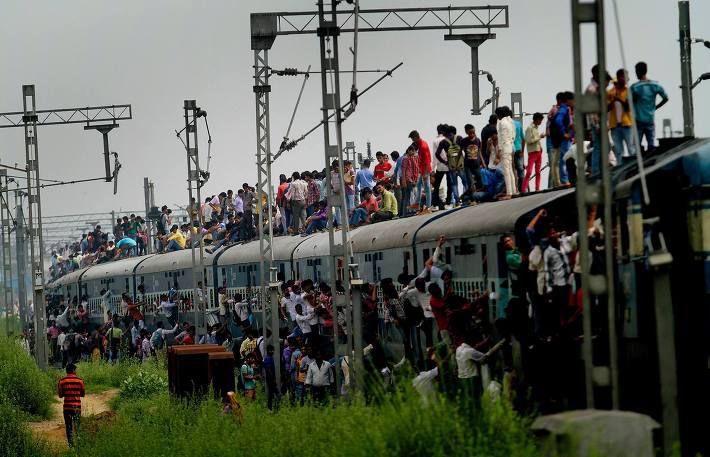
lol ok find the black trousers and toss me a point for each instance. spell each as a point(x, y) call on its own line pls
point(379, 216)
point(71, 422)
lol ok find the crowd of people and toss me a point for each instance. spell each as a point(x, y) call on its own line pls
point(452, 170)
point(421, 321)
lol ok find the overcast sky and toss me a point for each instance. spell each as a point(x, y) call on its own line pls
point(154, 54)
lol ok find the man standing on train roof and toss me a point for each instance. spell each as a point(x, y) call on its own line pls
point(425, 169)
point(364, 177)
point(486, 133)
point(71, 389)
point(644, 93)
point(126, 247)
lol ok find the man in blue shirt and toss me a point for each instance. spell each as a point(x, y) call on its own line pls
point(493, 184)
point(519, 153)
point(365, 177)
point(644, 93)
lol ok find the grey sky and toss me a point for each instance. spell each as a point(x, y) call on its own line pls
point(156, 54)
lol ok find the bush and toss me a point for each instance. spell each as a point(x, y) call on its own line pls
point(143, 385)
point(15, 438)
point(99, 376)
point(401, 426)
point(22, 384)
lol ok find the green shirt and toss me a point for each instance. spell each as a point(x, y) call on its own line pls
point(389, 203)
point(248, 371)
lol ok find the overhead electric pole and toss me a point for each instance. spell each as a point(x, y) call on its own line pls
point(30, 118)
point(686, 69)
point(21, 258)
point(328, 25)
point(5, 218)
point(194, 186)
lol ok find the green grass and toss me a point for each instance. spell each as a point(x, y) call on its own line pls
point(15, 437)
point(401, 425)
point(15, 325)
point(101, 376)
point(23, 385)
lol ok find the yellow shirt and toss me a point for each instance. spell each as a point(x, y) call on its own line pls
point(179, 237)
point(389, 203)
point(623, 95)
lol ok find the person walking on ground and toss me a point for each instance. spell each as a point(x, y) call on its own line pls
point(71, 389)
point(532, 140)
point(644, 93)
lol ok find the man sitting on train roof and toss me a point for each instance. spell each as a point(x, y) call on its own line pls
point(361, 214)
point(175, 241)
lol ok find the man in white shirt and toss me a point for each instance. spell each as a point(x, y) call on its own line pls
point(157, 339)
point(319, 378)
point(298, 191)
point(467, 360)
point(303, 321)
point(241, 310)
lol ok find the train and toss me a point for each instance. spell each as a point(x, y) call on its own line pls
point(676, 223)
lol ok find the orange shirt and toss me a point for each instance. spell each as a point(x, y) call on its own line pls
point(71, 389)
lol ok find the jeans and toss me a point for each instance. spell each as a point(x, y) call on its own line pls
point(596, 152)
point(173, 245)
point(564, 147)
point(72, 421)
point(405, 209)
point(647, 129)
point(534, 160)
point(350, 201)
point(621, 136)
point(424, 179)
point(298, 207)
point(397, 191)
point(284, 218)
point(318, 224)
point(453, 177)
point(359, 216)
point(519, 165)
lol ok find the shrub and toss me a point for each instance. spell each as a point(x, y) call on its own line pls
point(15, 438)
point(401, 426)
point(22, 384)
point(143, 385)
point(99, 376)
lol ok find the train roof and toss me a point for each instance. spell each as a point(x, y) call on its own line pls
point(396, 233)
point(123, 267)
point(283, 247)
point(68, 278)
point(171, 261)
point(691, 158)
point(487, 218)
point(318, 245)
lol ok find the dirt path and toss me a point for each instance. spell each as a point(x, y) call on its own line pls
point(53, 430)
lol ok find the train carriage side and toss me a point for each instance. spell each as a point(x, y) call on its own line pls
point(678, 181)
point(474, 251)
point(115, 276)
point(237, 269)
point(172, 270)
point(385, 249)
point(311, 259)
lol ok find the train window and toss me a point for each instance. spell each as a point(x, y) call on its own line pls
point(484, 257)
point(309, 262)
point(379, 255)
point(425, 255)
point(318, 261)
point(379, 274)
point(127, 288)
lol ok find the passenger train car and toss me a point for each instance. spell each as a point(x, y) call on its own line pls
point(679, 185)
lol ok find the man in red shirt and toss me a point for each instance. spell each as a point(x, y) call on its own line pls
point(190, 337)
point(281, 201)
point(438, 309)
point(424, 154)
point(361, 214)
point(383, 167)
point(71, 389)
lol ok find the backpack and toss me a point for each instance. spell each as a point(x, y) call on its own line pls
point(454, 155)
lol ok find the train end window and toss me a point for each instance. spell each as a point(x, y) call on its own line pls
point(447, 255)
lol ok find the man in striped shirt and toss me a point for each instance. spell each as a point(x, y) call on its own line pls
point(71, 389)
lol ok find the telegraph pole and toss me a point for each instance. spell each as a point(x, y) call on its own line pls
point(6, 249)
point(147, 188)
point(194, 185)
point(686, 70)
point(21, 257)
